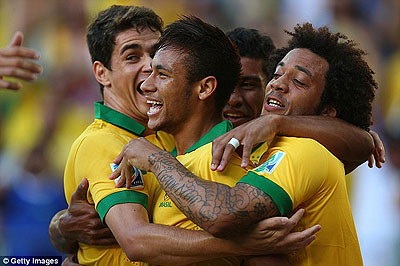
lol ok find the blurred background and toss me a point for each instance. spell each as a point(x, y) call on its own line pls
point(39, 123)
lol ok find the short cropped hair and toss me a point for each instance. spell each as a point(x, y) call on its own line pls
point(252, 44)
point(349, 82)
point(101, 32)
point(208, 52)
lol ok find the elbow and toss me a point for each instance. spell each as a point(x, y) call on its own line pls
point(135, 246)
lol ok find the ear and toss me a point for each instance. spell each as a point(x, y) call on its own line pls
point(329, 110)
point(101, 74)
point(207, 87)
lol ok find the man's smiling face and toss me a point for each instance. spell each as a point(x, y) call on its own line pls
point(297, 85)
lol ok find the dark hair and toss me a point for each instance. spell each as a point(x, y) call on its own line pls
point(349, 82)
point(252, 44)
point(101, 32)
point(208, 52)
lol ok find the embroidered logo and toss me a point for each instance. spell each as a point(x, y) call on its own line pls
point(137, 181)
point(270, 165)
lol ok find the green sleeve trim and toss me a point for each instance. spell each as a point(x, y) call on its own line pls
point(277, 194)
point(120, 197)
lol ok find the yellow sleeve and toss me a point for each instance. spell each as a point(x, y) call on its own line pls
point(291, 173)
point(93, 160)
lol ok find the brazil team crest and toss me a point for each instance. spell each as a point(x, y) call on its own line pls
point(270, 165)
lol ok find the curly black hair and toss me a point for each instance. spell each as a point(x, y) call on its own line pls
point(252, 44)
point(349, 82)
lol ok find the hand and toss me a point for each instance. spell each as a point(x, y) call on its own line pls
point(71, 260)
point(81, 222)
point(134, 154)
point(273, 236)
point(379, 154)
point(262, 129)
point(14, 62)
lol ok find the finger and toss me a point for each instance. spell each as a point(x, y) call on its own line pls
point(20, 52)
point(81, 191)
point(103, 233)
point(128, 176)
point(22, 63)
point(17, 73)
point(371, 161)
point(295, 218)
point(10, 85)
point(247, 147)
point(303, 238)
point(116, 173)
point(226, 156)
point(120, 156)
point(378, 163)
point(218, 147)
point(17, 39)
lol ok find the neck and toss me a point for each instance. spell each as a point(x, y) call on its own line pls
point(192, 130)
point(119, 106)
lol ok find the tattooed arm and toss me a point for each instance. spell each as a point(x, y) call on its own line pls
point(217, 208)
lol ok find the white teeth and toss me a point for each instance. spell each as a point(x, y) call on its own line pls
point(274, 103)
point(233, 115)
point(154, 102)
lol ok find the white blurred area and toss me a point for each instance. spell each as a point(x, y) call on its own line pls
point(39, 123)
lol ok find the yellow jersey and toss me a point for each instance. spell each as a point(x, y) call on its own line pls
point(301, 173)
point(91, 156)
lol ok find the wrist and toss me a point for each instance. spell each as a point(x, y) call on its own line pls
point(276, 122)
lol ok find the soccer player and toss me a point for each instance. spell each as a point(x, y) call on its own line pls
point(246, 100)
point(319, 73)
point(16, 61)
point(120, 41)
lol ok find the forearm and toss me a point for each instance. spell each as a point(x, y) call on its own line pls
point(177, 246)
point(215, 207)
point(345, 141)
point(57, 239)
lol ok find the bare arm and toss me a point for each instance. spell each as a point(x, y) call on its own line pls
point(350, 144)
point(57, 239)
point(162, 244)
point(217, 208)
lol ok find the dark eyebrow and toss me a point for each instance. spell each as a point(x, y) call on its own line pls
point(130, 46)
point(250, 77)
point(303, 69)
point(158, 67)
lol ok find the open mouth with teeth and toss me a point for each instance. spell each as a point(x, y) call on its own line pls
point(155, 107)
point(274, 105)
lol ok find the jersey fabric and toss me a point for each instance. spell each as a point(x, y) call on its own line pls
point(91, 157)
point(301, 173)
point(197, 159)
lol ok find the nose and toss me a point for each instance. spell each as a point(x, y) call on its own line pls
point(148, 85)
point(147, 64)
point(236, 98)
point(279, 84)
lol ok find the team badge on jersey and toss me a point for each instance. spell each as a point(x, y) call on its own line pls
point(270, 165)
point(137, 181)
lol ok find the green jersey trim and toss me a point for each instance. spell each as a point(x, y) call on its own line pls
point(218, 130)
point(277, 194)
point(120, 197)
point(118, 119)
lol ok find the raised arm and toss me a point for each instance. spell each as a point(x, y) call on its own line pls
point(350, 144)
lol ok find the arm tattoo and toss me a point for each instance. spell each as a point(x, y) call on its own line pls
point(217, 208)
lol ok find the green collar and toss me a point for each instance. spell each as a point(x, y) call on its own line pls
point(215, 132)
point(118, 119)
